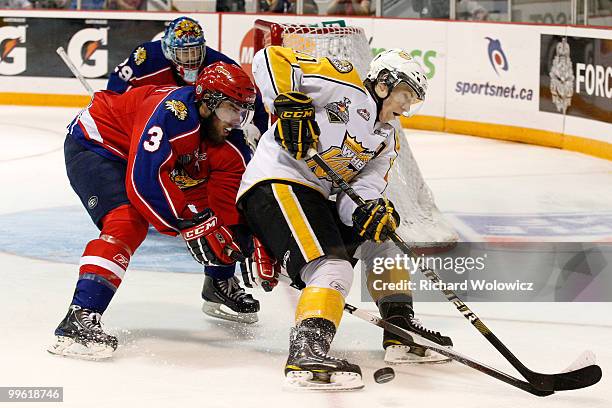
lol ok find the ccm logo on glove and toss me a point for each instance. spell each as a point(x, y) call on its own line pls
point(201, 229)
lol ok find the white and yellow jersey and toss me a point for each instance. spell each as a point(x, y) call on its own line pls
point(351, 142)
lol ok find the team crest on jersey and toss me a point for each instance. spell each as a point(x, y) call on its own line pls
point(364, 113)
point(342, 66)
point(337, 112)
point(140, 55)
point(183, 180)
point(178, 108)
point(346, 160)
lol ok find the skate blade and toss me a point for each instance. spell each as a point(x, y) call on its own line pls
point(400, 354)
point(67, 347)
point(309, 381)
point(223, 312)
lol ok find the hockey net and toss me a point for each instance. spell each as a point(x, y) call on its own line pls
point(421, 221)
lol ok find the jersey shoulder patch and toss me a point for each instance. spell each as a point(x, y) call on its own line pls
point(177, 107)
point(342, 66)
point(139, 55)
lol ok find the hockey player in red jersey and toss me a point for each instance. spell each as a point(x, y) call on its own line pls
point(176, 59)
point(132, 159)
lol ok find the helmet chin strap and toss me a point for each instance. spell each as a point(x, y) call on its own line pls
point(371, 87)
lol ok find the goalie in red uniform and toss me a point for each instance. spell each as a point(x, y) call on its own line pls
point(130, 158)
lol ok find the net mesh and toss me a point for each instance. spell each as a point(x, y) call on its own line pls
point(346, 43)
point(421, 221)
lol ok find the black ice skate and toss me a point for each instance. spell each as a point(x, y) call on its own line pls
point(226, 299)
point(309, 367)
point(80, 335)
point(396, 349)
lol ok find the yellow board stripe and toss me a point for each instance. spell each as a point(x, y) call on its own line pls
point(574, 143)
point(296, 219)
point(30, 99)
point(539, 137)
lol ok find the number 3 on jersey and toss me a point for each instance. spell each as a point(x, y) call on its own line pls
point(152, 144)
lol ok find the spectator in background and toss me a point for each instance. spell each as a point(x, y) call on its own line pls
point(230, 5)
point(289, 6)
point(126, 4)
point(15, 4)
point(471, 10)
point(89, 4)
point(432, 8)
point(51, 4)
point(350, 7)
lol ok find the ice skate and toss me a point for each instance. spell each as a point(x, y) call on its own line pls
point(309, 367)
point(80, 335)
point(226, 299)
point(396, 349)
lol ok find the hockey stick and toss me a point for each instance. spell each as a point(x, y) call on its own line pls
point(411, 338)
point(62, 53)
point(571, 380)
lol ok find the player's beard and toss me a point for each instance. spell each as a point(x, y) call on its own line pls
point(213, 129)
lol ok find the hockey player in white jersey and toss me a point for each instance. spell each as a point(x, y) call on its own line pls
point(284, 195)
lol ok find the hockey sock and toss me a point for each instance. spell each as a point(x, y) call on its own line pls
point(102, 267)
point(391, 282)
point(320, 302)
point(220, 272)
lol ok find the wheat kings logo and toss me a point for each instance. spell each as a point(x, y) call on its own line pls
point(562, 77)
point(346, 160)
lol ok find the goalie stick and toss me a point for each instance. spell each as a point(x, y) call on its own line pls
point(570, 380)
point(62, 53)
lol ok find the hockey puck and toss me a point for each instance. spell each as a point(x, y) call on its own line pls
point(384, 375)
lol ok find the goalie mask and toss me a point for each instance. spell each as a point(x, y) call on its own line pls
point(183, 43)
point(228, 92)
point(394, 67)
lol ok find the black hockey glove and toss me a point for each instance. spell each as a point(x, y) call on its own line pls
point(296, 131)
point(208, 240)
point(376, 219)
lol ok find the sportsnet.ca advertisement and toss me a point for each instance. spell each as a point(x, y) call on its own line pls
point(489, 78)
point(576, 76)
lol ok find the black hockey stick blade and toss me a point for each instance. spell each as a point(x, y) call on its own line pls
point(546, 383)
point(580, 378)
point(577, 378)
point(410, 338)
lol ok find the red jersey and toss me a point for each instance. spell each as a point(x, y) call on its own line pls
point(156, 131)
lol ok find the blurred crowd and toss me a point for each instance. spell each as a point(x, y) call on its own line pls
point(73, 4)
point(476, 10)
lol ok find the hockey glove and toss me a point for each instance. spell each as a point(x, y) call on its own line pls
point(296, 130)
point(262, 269)
point(209, 241)
point(376, 219)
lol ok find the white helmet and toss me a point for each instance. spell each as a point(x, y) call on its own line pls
point(402, 68)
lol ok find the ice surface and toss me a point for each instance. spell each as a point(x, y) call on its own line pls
point(172, 355)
